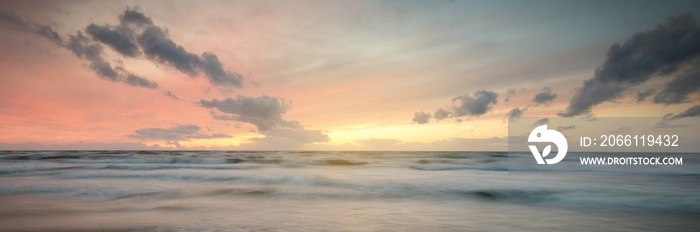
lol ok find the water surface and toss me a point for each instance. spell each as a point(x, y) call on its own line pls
point(329, 191)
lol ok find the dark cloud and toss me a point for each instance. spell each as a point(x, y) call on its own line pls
point(677, 90)
point(516, 113)
point(621, 130)
point(509, 93)
point(265, 112)
point(592, 93)
point(214, 70)
point(174, 134)
point(421, 117)
point(474, 104)
point(545, 96)
point(118, 39)
point(134, 17)
point(156, 45)
point(105, 70)
point(85, 48)
point(25, 25)
point(441, 114)
point(135, 35)
point(667, 121)
point(666, 116)
point(693, 111)
point(668, 125)
point(170, 95)
point(643, 95)
point(540, 122)
point(660, 51)
point(563, 128)
point(135, 80)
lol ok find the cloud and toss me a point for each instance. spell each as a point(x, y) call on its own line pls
point(643, 95)
point(677, 90)
point(174, 134)
point(667, 124)
point(693, 111)
point(441, 114)
point(509, 93)
point(545, 96)
point(133, 17)
point(540, 122)
point(474, 104)
point(135, 35)
point(421, 117)
point(661, 51)
point(621, 130)
point(667, 119)
point(118, 38)
point(170, 95)
point(516, 113)
point(592, 93)
point(83, 47)
point(214, 70)
point(134, 80)
point(157, 46)
point(38, 29)
point(265, 112)
point(563, 128)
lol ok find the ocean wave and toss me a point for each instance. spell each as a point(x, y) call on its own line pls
point(11, 169)
point(592, 199)
point(439, 167)
point(176, 160)
point(240, 191)
point(342, 162)
point(87, 191)
point(166, 167)
point(149, 176)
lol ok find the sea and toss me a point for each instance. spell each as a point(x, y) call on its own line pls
point(330, 191)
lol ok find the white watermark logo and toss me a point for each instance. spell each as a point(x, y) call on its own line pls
point(542, 135)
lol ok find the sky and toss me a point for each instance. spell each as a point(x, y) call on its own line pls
point(334, 75)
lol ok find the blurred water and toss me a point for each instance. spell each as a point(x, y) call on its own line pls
point(329, 191)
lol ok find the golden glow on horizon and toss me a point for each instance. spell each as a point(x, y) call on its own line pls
point(219, 142)
point(410, 132)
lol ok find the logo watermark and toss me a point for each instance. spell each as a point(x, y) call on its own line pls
point(542, 134)
point(616, 145)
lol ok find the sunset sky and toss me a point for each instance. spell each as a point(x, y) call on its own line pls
point(334, 75)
